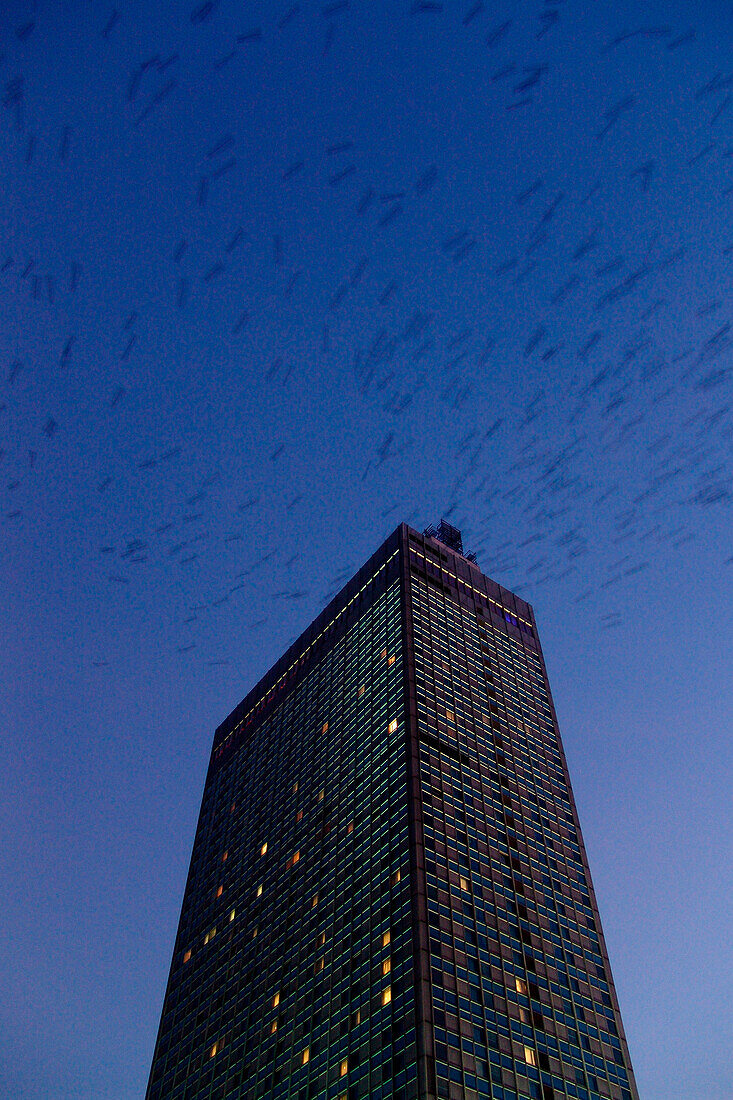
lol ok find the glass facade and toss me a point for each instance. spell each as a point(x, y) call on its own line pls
point(388, 894)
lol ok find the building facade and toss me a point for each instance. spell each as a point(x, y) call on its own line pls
point(389, 894)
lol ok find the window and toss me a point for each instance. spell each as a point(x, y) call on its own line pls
point(529, 1056)
point(350, 827)
point(392, 727)
point(231, 916)
point(314, 903)
point(386, 938)
point(386, 967)
point(320, 942)
point(387, 995)
point(321, 796)
point(344, 1067)
point(295, 787)
point(383, 654)
point(356, 1018)
point(362, 689)
point(295, 858)
point(276, 1000)
point(210, 935)
point(273, 1027)
point(219, 891)
point(305, 1056)
point(320, 963)
point(186, 956)
point(521, 986)
point(225, 857)
point(396, 877)
point(325, 728)
point(263, 849)
point(215, 1049)
point(259, 891)
point(464, 883)
point(391, 660)
point(299, 816)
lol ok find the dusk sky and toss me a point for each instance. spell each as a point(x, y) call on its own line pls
point(274, 278)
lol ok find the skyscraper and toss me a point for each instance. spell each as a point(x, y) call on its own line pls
point(389, 894)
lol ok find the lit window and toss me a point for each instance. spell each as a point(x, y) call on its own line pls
point(259, 891)
point(521, 986)
point(219, 891)
point(356, 1018)
point(296, 857)
point(387, 995)
point(344, 1067)
point(231, 916)
point(314, 903)
point(225, 857)
point(464, 883)
point(321, 940)
point(276, 1000)
point(299, 815)
point(350, 827)
point(263, 849)
point(362, 689)
point(529, 1056)
point(386, 938)
point(210, 935)
point(386, 967)
point(305, 1056)
point(273, 1027)
point(392, 727)
point(319, 966)
point(450, 716)
point(321, 795)
point(295, 787)
point(391, 660)
point(215, 1049)
point(186, 956)
point(325, 728)
point(254, 933)
point(396, 877)
point(383, 654)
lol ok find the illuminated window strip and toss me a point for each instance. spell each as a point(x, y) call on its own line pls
point(476, 592)
point(305, 652)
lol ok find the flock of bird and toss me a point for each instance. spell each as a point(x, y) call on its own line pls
point(578, 445)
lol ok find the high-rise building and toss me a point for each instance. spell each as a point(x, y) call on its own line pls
point(389, 894)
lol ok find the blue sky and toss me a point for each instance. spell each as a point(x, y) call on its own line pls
point(272, 283)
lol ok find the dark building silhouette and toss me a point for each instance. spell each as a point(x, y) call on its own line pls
point(389, 894)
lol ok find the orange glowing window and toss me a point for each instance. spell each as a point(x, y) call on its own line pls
point(396, 877)
point(325, 728)
point(225, 857)
point(392, 727)
point(529, 1056)
point(321, 795)
point(320, 963)
point(186, 956)
point(391, 660)
point(215, 1049)
point(305, 1056)
point(321, 940)
point(350, 827)
point(344, 1067)
point(362, 689)
point(263, 849)
point(219, 891)
point(299, 815)
point(386, 938)
point(314, 903)
point(386, 967)
point(387, 995)
point(295, 787)
point(259, 891)
point(231, 916)
point(273, 1027)
point(276, 1000)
